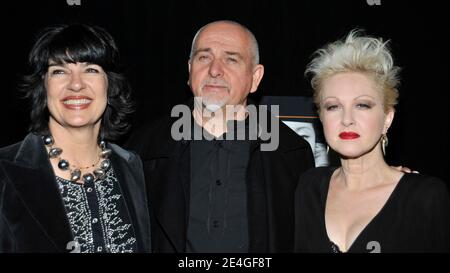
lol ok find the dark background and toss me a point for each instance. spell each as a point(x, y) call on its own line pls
point(155, 38)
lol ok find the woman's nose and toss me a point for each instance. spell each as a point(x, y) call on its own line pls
point(347, 118)
point(76, 82)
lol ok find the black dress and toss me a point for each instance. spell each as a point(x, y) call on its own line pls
point(415, 218)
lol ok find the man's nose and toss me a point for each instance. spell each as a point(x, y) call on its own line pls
point(216, 69)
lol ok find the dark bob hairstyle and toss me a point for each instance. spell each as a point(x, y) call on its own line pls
point(71, 44)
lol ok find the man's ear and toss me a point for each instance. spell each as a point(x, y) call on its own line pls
point(258, 73)
point(388, 119)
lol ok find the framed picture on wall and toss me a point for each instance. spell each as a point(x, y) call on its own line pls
point(299, 114)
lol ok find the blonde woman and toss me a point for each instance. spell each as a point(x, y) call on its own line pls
point(364, 205)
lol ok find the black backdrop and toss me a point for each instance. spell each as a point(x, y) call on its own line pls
point(155, 37)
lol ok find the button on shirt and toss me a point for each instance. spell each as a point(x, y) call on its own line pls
point(218, 196)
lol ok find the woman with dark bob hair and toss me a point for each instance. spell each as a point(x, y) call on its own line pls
point(66, 187)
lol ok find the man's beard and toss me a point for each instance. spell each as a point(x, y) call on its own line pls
point(213, 101)
point(213, 104)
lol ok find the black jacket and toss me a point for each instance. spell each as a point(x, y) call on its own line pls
point(32, 213)
point(275, 173)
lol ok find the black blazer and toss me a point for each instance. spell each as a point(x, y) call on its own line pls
point(275, 173)
point(32, 214)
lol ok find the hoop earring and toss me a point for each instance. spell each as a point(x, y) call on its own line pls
point(384, 143)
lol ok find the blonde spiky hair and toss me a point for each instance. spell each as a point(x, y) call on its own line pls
point(357, 53)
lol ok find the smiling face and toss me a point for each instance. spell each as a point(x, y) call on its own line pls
point(352, 114)
point(76, 94)
point(221, 70)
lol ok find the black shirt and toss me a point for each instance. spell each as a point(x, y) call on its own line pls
point(415, 218)
point(98, 215)
point(218, 196)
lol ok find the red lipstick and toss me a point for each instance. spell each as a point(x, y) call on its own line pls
point(348, 135)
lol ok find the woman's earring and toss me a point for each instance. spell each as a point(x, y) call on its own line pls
point(384, 143)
